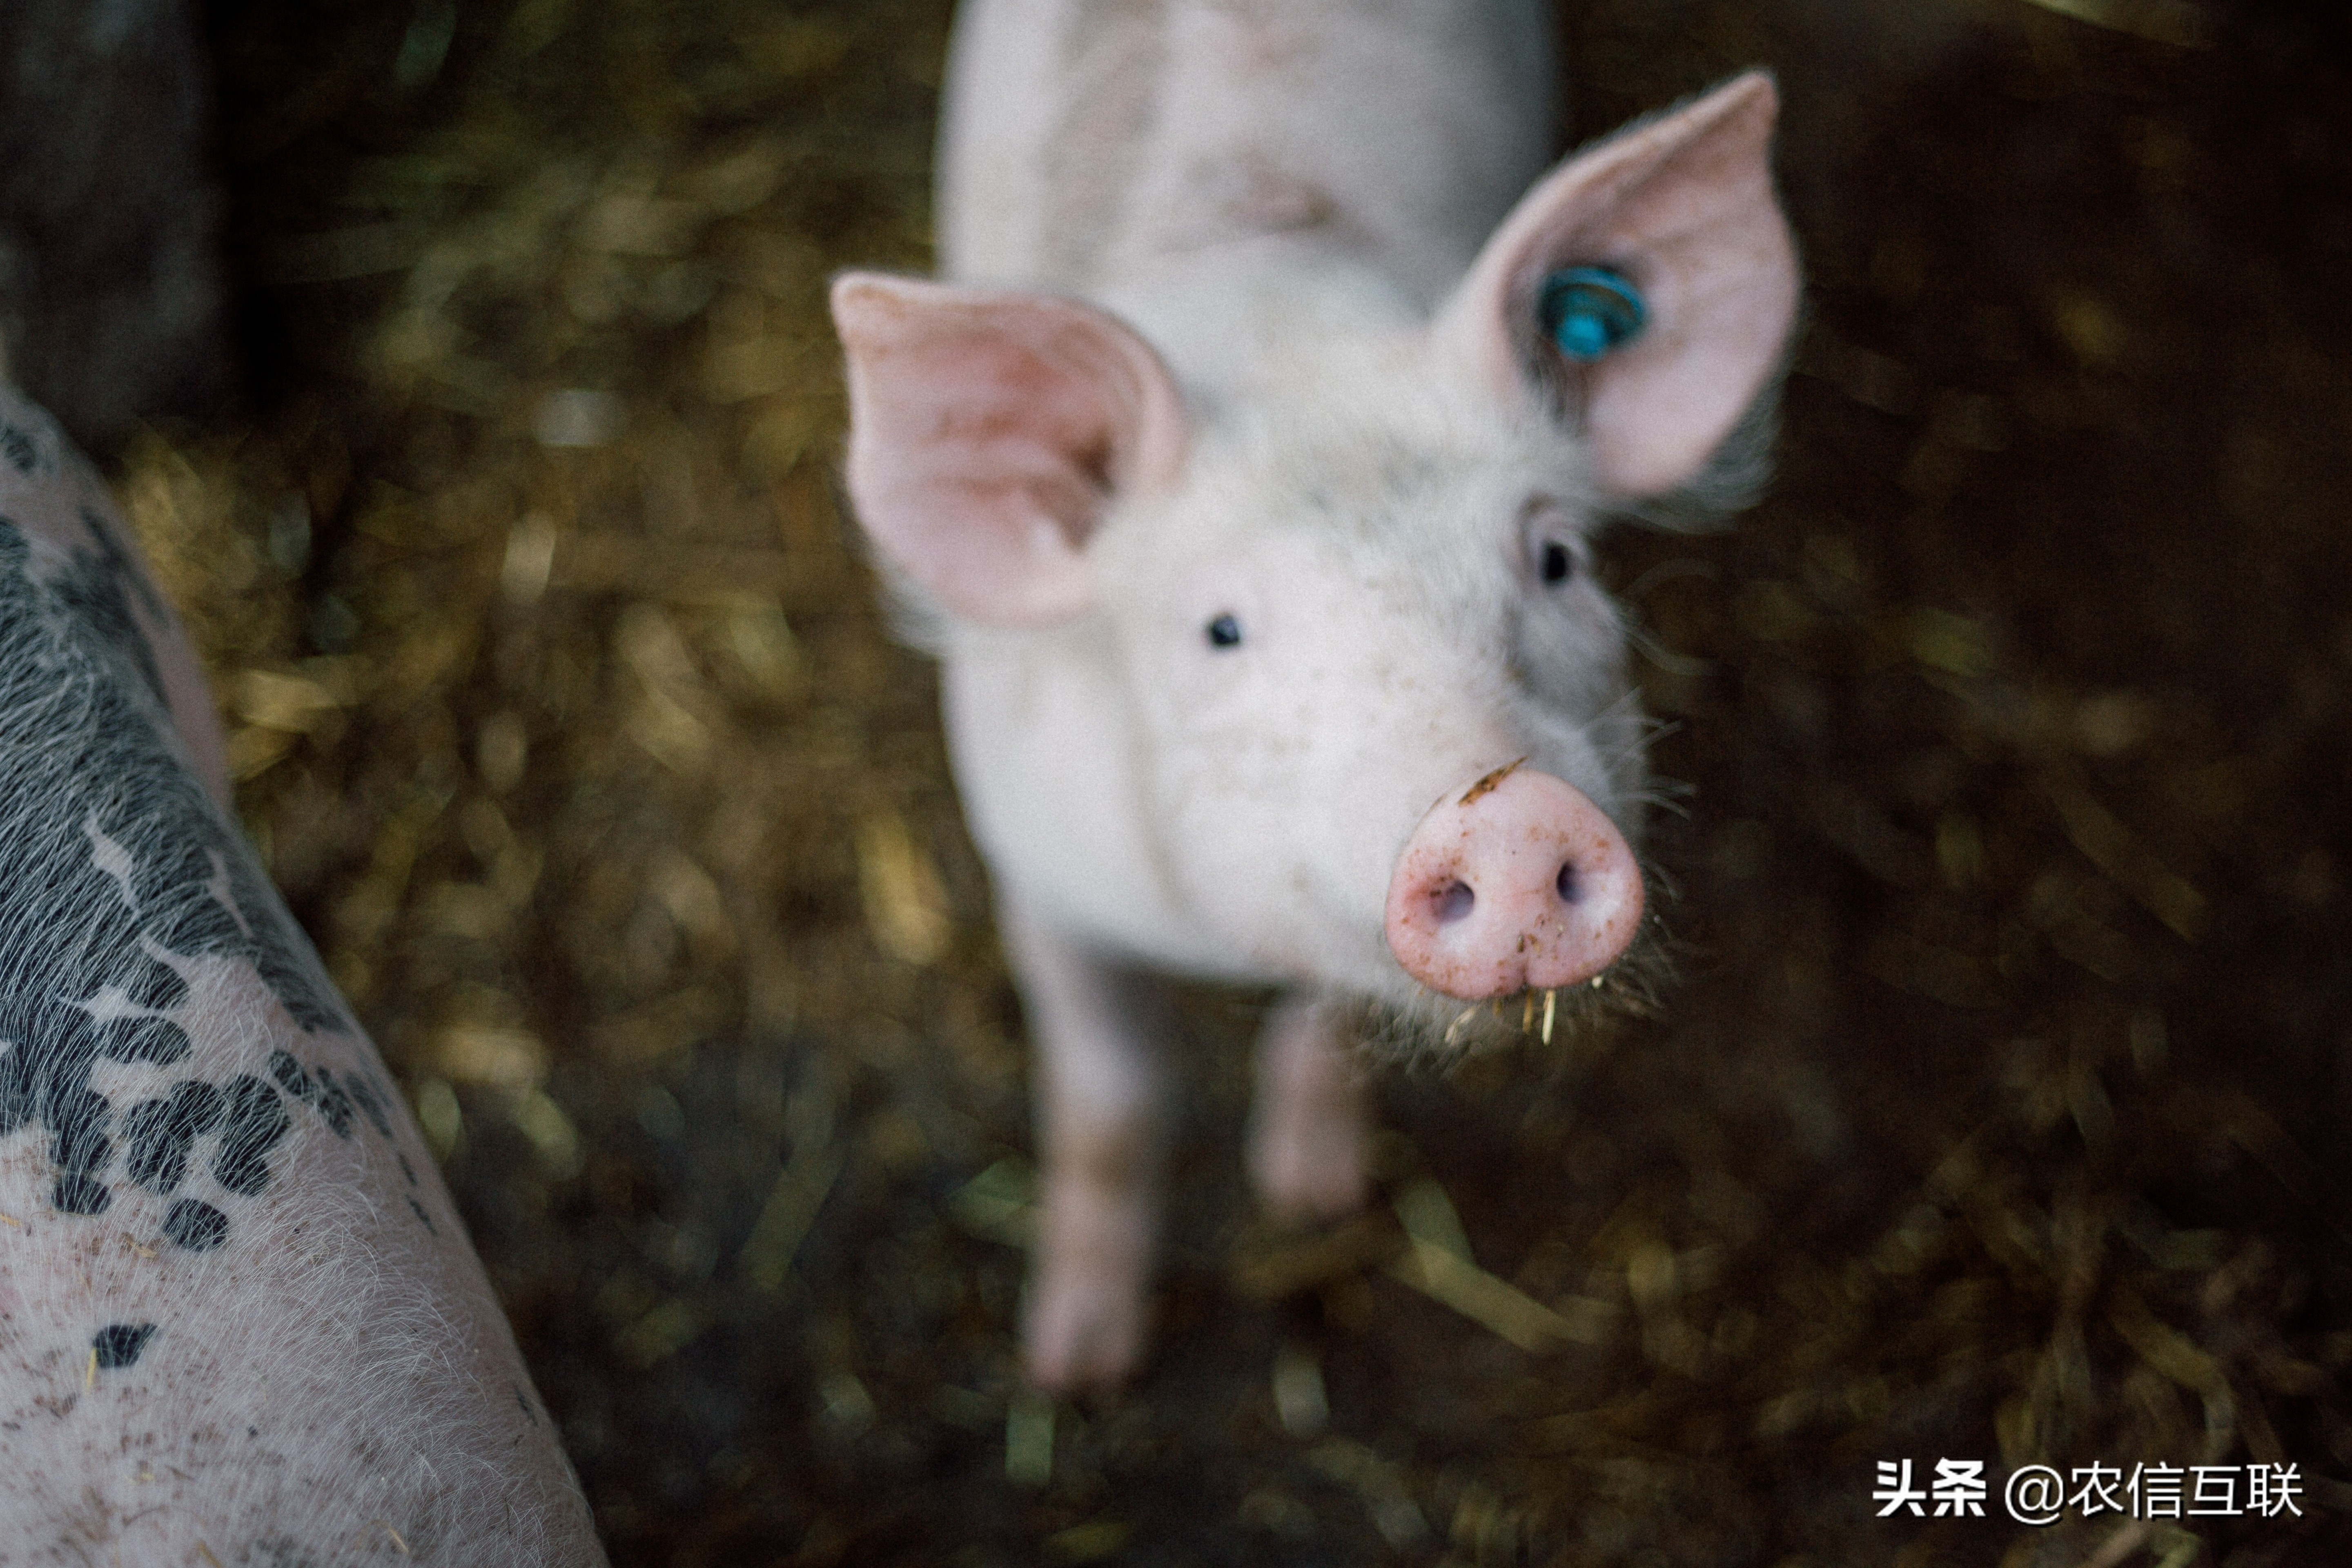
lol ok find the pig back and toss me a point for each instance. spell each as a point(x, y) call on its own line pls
point(1085, 142)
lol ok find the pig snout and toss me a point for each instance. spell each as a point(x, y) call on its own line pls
point(1517, 882)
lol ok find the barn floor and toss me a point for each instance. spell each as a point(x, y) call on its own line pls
point(1999, 1108)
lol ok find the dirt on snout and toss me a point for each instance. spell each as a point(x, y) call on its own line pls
point(1997, 1114)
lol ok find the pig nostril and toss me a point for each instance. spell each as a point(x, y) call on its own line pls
point(1521, 884)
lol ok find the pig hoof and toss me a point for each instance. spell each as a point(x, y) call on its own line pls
point(1082, 1336)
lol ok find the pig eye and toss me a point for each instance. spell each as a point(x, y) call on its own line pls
point(1224, 632)
point(1590, 310)
point(1554, 563)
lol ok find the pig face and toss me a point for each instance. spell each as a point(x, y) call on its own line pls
point(1222, 622)
point(1365, 591)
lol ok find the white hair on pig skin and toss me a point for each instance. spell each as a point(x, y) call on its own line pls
point(240, 1317)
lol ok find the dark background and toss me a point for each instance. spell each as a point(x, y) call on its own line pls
point(1996, 1110)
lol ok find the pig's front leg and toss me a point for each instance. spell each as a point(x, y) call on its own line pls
point(1306, 1146)
point(1103, 1134)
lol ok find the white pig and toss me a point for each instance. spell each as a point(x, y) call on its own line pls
point(1245, 473)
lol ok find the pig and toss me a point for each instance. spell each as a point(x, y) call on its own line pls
point(1242, 473)
point(239, 1318)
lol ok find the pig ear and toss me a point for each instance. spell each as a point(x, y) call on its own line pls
point(989, 433)
point(1682, 209)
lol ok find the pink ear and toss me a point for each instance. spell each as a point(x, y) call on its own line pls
point(1683, 208)
point(990, 432)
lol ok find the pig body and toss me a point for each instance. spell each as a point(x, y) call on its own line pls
point(240, 1319)
point(1090, 146)
point(1248, 496)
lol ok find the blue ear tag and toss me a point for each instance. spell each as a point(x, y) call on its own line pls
point(1590, 310)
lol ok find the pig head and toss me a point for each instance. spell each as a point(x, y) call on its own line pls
point(1272, 651)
